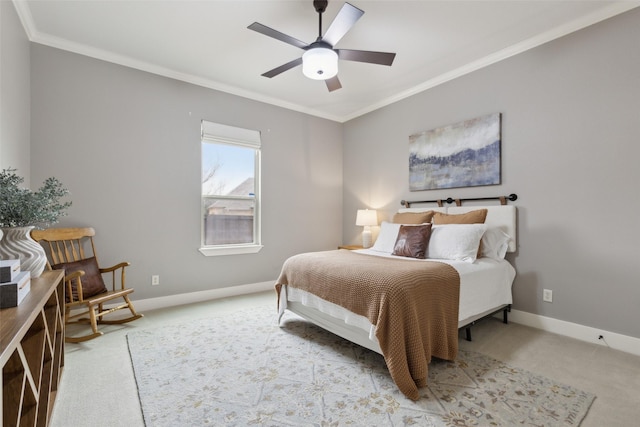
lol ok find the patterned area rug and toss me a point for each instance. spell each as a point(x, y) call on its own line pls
point(242, 369)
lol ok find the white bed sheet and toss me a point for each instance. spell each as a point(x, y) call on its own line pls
point(484, 285)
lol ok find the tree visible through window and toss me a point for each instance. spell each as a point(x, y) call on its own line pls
point(230, 186)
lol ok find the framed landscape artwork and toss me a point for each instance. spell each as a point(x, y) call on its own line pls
point(465, 154)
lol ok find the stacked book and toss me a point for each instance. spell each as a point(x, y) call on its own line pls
point(14, 284)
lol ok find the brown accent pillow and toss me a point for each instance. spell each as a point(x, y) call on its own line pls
point(412, 241)
point(413, 217)
point(92, 282)
point(472, 217)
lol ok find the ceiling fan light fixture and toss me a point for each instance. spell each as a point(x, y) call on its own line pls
point(320, 63)
point(319, 60)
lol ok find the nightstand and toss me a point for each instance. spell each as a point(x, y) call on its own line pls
point(350, 247)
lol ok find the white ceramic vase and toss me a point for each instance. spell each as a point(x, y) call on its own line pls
point(16, 243)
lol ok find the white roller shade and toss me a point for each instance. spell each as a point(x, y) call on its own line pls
point(217, 132)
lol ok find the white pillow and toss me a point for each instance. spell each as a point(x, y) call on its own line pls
point(455, 241)
point(386, 238)
point(495, 243)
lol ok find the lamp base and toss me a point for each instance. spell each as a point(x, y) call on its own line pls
point(366, 238)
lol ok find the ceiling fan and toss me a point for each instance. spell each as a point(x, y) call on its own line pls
point(320, 59)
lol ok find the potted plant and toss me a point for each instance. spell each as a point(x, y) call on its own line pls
point(20, 211)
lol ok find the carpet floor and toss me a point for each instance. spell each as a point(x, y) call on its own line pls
point(243, 369)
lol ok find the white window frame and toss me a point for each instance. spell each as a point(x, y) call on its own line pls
point(219, 133)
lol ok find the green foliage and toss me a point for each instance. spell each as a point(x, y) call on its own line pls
point(20, 207)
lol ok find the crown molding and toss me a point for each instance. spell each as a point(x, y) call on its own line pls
point(35, 36)
point(540, 39)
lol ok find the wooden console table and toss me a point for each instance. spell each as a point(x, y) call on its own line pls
point(32, 353)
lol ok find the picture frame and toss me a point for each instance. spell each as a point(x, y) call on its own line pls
point(463, 154)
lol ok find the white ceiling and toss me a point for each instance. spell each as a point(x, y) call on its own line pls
point(207, 42)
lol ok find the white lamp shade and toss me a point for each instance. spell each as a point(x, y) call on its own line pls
point(367, 217)
point(320, 63)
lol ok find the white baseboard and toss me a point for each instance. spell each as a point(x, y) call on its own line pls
point(192, 297)
point(584, 333)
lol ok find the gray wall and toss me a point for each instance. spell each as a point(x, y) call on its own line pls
point(570, 150)
point(14, 93)
point(127, 145)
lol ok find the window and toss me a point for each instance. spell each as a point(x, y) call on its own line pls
point(230, 190)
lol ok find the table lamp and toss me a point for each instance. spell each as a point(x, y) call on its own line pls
point(366, 218)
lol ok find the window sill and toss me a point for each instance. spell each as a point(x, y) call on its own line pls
point(230, 250)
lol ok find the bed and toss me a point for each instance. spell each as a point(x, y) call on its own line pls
point(457, 284)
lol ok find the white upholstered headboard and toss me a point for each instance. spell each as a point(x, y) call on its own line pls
point(502, 216)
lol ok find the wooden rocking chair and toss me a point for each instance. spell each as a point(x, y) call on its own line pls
point(84, 285)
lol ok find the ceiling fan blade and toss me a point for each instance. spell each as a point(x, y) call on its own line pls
point(381, 58)
point(333, 83)
point(263, 29)
point(281, 69)
point(342, 23)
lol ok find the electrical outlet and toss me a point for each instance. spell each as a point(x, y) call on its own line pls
point(155, 280)
point(547, 295)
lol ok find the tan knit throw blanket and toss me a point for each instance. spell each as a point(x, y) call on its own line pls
point(414, 305)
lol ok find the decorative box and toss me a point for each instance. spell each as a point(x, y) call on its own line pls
point(9, 269)
point(12, 293)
